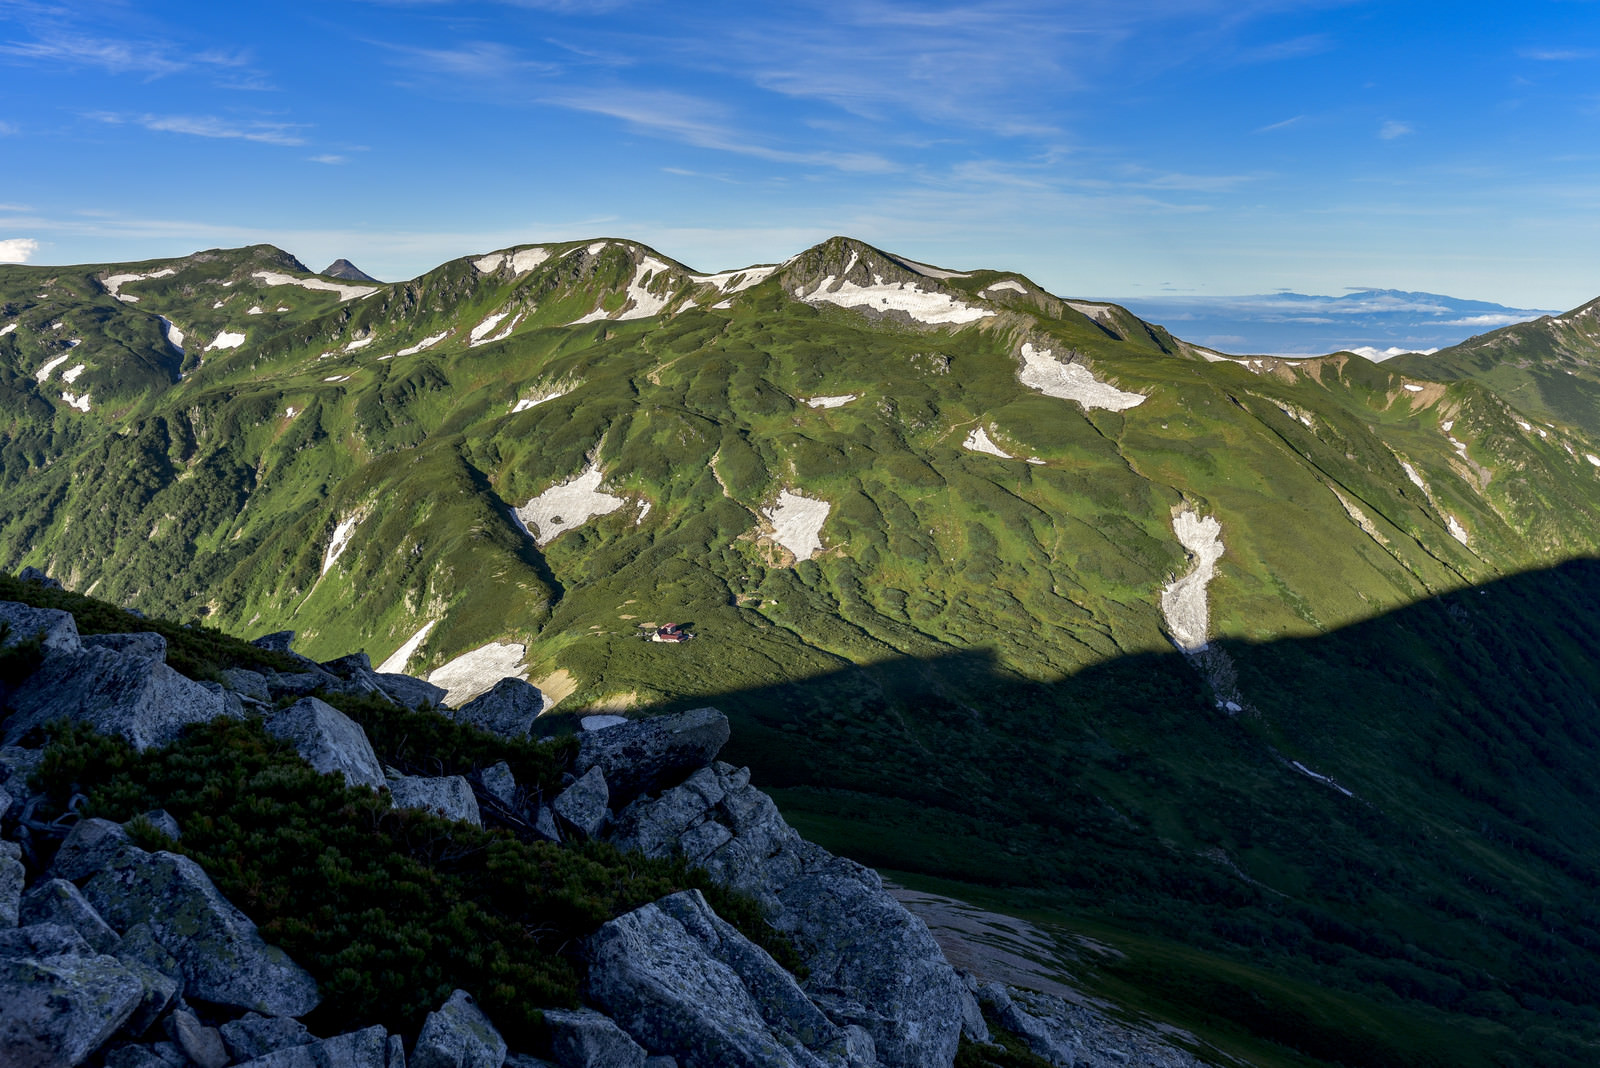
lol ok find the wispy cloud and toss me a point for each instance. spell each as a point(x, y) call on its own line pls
point(1284, 125)
point(703, 124)
point(329, 158)
point(270, 133)
point(8, 129)
point(1309, 45)
point(1557, 55)
point(116, 57)
point(1393, 129)
point(17, 249)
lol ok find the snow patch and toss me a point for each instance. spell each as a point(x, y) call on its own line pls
point(1071, 381)
point(1006, 285)
point(932, 272)
point(44, 372)
point(526, 259)
point(337, 378)
point(255, 309)
point(922, 305)
point(1416, 479)
point(979, 441)
point(1591, 457)
point(524, 403)
point(1302, 769)
point(478, 333)
point(346, 292)
point(340, 539)
point(1457, 531)
point(832, 402)
point(475, 673)
point(4, 330)
point(731, 282)
point(797, 523)
point(226, 340)
point(1093, 311)
point(217, 305)
point(641, 303)
point(566, 506)
point(425, 343)
point(490, 263)
point(1183, 601)
point(72, 376)
point(73, 401)
point(171, 332)
point(290, 412)
point(396, 664)
point(360, 343)
point(1413, 388)
point(115, 282)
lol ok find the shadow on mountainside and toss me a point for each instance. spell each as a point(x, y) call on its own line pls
point(1388, 858)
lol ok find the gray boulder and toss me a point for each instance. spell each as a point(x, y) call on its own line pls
point(681, 981)
point(367, 1048)
point(246, 683)
point(38, 578)
point(13, 876)
point(544, 825)
point(497, 781)
point(646, 755)
point(59, 1000)
point(59, 902)
point(223, 957)
point(449, 796)
point(146, 643)
point(396, 1057)
point(354, 675)
point(508, 709)
point(584, 1038)
point(161, 821)
point(329, 740)
point(458, 1035)
point(157, 969)
point(254, 1035)
point(408, 692)
point(201, 1044)
point(156, 1055)
point(93, 845)
point(56, 630)
point(138, 698)
point(279, 641)
point(312, 680)
point(871, 963)
point(584, 807)
point(5, 804)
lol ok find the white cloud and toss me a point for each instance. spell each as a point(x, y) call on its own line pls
point(699, 122)
point(1284, 125)
point(1496, 319)
point(271, 133)
point(330, 159)
point(8, 129)
point(1392, 129)
point(17, 249)
point(1557, 55)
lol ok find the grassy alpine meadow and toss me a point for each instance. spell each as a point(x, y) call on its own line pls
point(922, 527)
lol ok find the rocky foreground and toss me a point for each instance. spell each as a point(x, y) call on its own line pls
point(119, 956)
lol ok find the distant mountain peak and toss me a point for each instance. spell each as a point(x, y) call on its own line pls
point(343, 268)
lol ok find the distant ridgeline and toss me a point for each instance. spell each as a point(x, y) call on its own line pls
point(1275, 675)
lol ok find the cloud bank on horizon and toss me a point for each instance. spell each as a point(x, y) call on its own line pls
point(1159, 146)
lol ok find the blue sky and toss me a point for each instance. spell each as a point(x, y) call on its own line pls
point(1103, 148)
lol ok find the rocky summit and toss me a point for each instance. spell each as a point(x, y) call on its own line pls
point(118, 948)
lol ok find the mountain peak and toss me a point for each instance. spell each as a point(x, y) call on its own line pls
point(343, 268)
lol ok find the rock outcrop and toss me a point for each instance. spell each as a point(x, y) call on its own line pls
point(646, 755)
point(134, 696)
point(449, 796)
point(329, 740)
point(508, 709)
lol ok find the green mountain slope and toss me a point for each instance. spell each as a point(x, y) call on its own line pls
point(1548, 368)
point(940, 500)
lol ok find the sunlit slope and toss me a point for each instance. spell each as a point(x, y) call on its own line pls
point(992, 467)
point(1549, 368)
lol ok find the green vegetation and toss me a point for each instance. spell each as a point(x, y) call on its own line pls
point(389, 909)
point(972, 680)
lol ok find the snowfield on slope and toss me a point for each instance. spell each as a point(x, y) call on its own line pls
point(340, 539)
point(641, 303)
point(397, 661)
point(923, 306)
point(797, 523)
point(226, 340)
point(832, 402)
point(475, 673)
point(565, 507)
point(1183, 602)
point(979, 441)
point(1071, 381)
point(115, 282)
point(346, 292)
